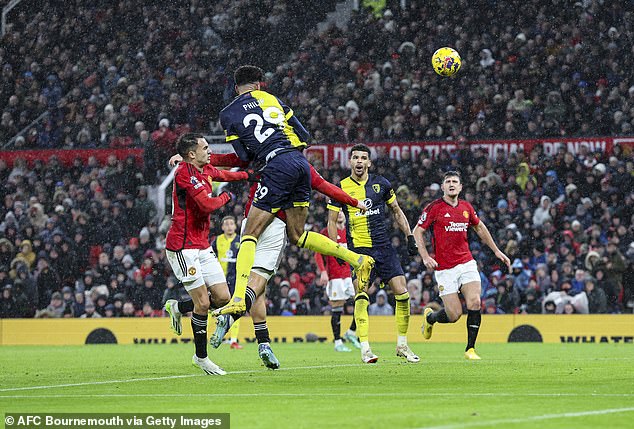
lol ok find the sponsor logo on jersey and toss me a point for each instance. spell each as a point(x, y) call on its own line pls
point(447, 215)
point(368, 213)
point(367, 203)
point(457, 227)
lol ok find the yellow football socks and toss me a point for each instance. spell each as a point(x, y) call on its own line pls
point(361, 302)
point(319, 243)
point(244, 263)
point(235, 329)
point(402, 313)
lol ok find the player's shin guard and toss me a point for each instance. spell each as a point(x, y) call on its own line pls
point(261, 332)
point(185, 307)
point(402, 317)
point(439, 316)
point(335, 322)
point(361, 302)
point(244, 263)
point(353, 325)
point(473, 326)
point(199, 327)
point(321, 244)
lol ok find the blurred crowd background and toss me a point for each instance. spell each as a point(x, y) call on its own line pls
point(83, 241)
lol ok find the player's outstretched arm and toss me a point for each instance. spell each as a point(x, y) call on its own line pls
point(230, 176)
point(419, 237)
point(485, 236)
point(219, 160)
point(403, 225)
point(227, 160)
point(320, 184)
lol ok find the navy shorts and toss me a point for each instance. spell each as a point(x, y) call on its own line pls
point(387, 265)
point(285, 183)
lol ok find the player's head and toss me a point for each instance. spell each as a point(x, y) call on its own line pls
point(228, 225)
point(341, 219)
point(248, 78)
point(451, 184)
point(194, 149)
point(360, 161)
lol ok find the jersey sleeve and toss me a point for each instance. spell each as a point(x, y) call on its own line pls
point(227, 160)
point(224, 175)
point(319, 184)
point(473, 216)
point(292, 120)
point(188, 182)
point(426, 219)
point(389, 196)
point(333, 204)
point(232, 136)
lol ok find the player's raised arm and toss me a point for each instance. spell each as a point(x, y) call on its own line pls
point(232, 136)
point(227, 160)
point(219, 160)
point(299, 129)
point(320, 184)
point(485, 236)
point(230, 176)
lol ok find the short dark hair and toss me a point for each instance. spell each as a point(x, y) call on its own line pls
point(248, 74)
point(361, 148)
point(452, 173)
point(187, 142)
point(228, 217)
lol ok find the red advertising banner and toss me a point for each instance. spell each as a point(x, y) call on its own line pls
point(340, 153)
point(67, 156)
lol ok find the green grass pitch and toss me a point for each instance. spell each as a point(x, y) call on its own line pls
point(514, 386)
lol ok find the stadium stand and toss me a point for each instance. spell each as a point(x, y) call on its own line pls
point(82, 241)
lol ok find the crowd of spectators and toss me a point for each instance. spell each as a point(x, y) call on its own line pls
point(84, 241)
point(108, 73)
point(545, 72)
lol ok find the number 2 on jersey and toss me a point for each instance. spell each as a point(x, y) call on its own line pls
point(272, 115)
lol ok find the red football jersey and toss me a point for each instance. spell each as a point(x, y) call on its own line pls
point(450, 225)
point(190, 224)
point(335, 269)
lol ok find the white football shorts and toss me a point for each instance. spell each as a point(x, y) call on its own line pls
point(340, 289)
point(270, 247)
point(450, 280)
point(196, 267)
